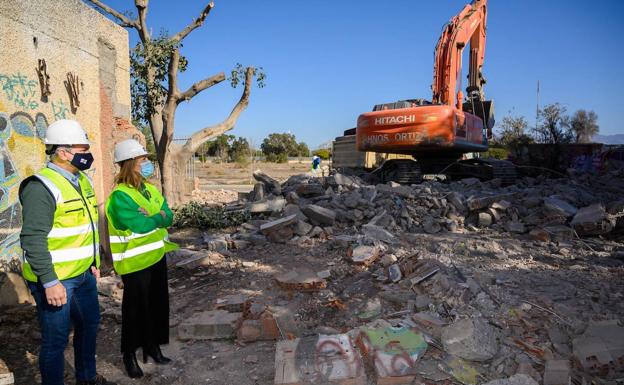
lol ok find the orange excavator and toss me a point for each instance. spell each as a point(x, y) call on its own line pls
point(439, 132)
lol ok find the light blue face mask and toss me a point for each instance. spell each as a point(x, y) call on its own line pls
point(147, 169)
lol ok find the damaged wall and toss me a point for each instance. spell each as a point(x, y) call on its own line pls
point(87, 75)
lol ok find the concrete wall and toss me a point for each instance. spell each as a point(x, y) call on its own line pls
point(71, 37)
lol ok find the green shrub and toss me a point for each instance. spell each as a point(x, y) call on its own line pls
point(202, 216)
point(323, 153)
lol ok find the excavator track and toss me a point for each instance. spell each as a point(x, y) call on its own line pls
point(407, 171)
point(403, 171)
point(486, 169)
point(503, 170)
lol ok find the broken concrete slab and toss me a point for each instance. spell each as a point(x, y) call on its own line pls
point(267, 206)
point(200, 258)
point(482, 202)
point(364, 255)
point(559, 206)
point(271, 185)
point(402, 191)
point(280, 230)
point(308, 190)
point(323, 359)
point(13, 290)
point(258, 193)
point(517, 379)
point(502, 205)
point(592, 220)
point(377, 233)
point(341, 180)
point(292, 198)
point(233, 303)
point(319, 215)
point(302, 228)
point(557, 372)
point(600, 347)
point(300, 280)
point(394, 352)
point(209, 325)
point(471, 339)
point(291, 209)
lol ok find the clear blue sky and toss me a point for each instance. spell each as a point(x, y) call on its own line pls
point(328, 61)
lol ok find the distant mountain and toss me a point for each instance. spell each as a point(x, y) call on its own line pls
point(609, 139)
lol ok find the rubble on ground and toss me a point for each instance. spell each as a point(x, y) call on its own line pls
point(463, 282)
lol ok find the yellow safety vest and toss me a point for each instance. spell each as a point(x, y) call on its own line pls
point(132, 251)
point(73, 242)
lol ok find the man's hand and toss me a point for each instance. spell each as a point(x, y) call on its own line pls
point(143, 211)
point(96, 272)
point(56, 295)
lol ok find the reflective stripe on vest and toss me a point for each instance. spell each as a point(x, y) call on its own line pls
point(73, 240)
point(133, 251)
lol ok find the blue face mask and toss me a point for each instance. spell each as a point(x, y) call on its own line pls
point(147, 169)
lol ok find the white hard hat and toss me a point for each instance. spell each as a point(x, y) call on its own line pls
point(66, 131)
point(128, 149)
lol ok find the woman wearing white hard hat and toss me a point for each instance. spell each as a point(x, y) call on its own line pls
point(138, 217)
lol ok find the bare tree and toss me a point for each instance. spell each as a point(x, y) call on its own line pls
point(554, 125)
point(584, 124)
point(512, 129)
point(156, 62)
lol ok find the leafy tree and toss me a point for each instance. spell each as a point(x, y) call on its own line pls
point(584, 124)
point(278, 147)
point(323, 153)
point(554, 125)
point(303, 150)
point(511, 129)
point(155, 64)
point(149, 141)
point(240, 150)
point(221, 146)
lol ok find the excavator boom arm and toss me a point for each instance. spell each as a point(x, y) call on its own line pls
point(468, 27)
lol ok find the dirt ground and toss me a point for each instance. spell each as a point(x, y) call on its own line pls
point(570, 282)
point(236, 174)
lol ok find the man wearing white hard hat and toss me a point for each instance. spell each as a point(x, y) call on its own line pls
point(138, 217)
point(61, 253)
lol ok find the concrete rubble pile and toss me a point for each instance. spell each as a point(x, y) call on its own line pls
point(546, 209)
point(413, 290)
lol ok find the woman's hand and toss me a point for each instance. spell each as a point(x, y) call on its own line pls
point(163, 214)
point(143, 211)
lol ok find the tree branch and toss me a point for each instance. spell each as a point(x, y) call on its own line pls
point(195, 24)
point(144, 33)
point(200, 137)
point(200, 86)
point(173, 94)
point(123, 20)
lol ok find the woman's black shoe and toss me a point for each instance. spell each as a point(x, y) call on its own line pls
point(156, 354)
point(132, 366)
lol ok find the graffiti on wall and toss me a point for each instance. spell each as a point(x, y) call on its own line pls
point(22, 128)
point(20, 90)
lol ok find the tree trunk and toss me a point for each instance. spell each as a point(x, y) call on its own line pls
point(173, 177)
